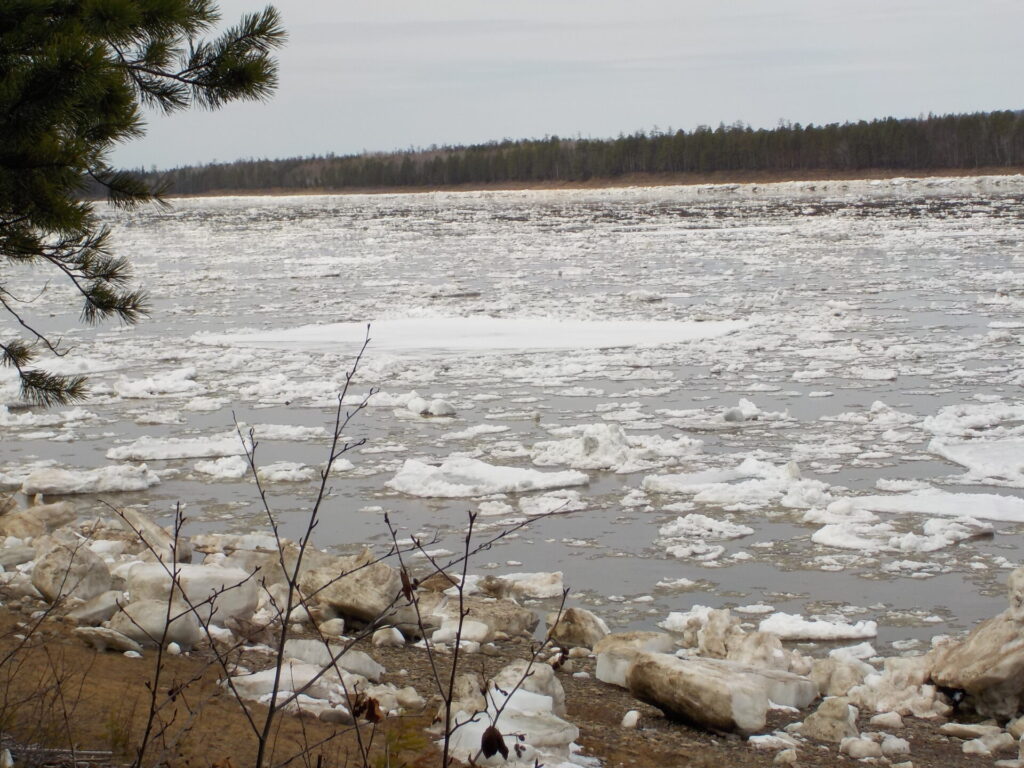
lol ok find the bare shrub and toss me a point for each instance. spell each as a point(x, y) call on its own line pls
point(150, 730)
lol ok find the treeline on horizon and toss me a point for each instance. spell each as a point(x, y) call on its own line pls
point(989, 139)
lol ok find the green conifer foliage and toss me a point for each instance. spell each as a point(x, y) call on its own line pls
point(73, 74)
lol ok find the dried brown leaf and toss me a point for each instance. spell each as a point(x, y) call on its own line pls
point(492, 742)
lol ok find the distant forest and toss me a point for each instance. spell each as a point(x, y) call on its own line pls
point(902, 145)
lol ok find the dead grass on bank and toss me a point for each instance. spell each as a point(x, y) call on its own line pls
point(66, 701)
point(63, 703)
point(102, 706)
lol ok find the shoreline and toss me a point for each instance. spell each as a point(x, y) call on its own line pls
point(625, 181)
point(900, 714)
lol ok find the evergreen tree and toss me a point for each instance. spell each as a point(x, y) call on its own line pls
point(935, 143)
point(73, 74)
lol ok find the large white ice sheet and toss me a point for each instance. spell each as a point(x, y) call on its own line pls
point(426, 335)
point(986, 506)
point(460, 477)
point(992, 462)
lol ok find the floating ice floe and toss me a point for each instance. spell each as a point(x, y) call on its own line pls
point(695, 526)
point(759, 484)
point(930, 501)
point(547, 503)
point(680, 583)
point(293, 472)
point(423, 407)
point(382, 399)
point(688, 537)
point(607, 446)
point(173, 382)
point(850, 527)
point(987, 420)
point(113, 479)
point(200, 404)
point(867, 373)
point(148, 448)
point(879, 415)
point(27, 418)
point(460, 477)
point(495, 508)
point(745, 410)
point(936, 533)
point(285, 388)
point(286, 432)
point(477, 430)
point(433, 335)
point(939, 533)
point(744, 413)
point(988, 462)
point(793, 627)
point(840, 511)
point(148, 417)
point(226, 468)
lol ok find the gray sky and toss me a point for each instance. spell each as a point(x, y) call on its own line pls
point(389, 74)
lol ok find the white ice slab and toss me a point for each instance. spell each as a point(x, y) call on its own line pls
point(789, 626)
point(999, 462)
point(987, 506)
point(429, 335)
point(148, 448)
point(123, 477)
point(460, 477)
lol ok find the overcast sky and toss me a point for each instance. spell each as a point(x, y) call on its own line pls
point(388, 74)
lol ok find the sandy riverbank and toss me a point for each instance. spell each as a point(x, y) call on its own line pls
point(106, 698)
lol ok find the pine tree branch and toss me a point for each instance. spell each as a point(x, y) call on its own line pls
point(72, 78)
point(249, 43)
point(39, 387)
point(54, 347)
